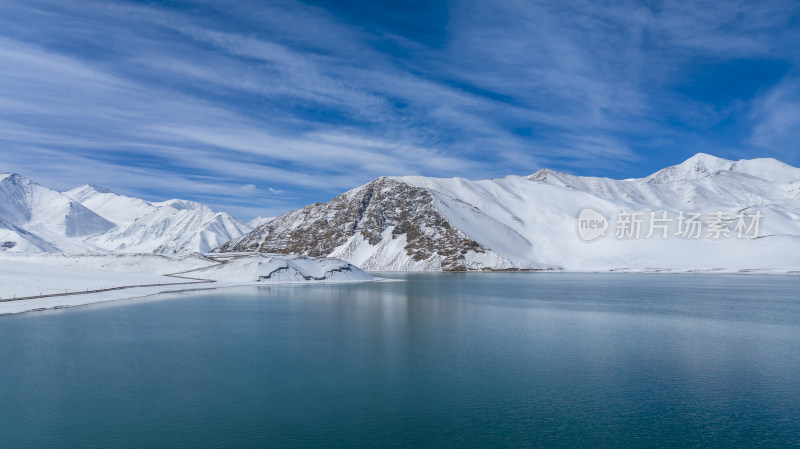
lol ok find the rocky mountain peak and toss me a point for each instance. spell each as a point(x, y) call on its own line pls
point(384, 210)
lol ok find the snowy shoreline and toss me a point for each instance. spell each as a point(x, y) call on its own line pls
point(734, 271)
point(55, 281)
point(37, 282)
point(77, 300)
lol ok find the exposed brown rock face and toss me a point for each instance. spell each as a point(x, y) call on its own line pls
point(318, 229)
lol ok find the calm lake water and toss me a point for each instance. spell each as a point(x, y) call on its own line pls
point(435, 360)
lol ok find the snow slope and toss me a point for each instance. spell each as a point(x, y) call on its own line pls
point(545, 215)
point(15, 239)
point(531, 222)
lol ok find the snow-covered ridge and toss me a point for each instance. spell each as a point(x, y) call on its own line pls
point(168, 227)
point(92, 219)
point(421, 223)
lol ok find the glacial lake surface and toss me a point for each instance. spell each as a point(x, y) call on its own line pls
point(430, 360)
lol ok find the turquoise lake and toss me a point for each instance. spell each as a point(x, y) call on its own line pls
point(477, 360)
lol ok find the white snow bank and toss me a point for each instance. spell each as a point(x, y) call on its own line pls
point(273, 268)
point(115, 277)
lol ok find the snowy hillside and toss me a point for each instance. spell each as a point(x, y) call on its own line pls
point(419, 223)
point(91, 219)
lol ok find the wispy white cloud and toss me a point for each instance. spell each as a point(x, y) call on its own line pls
point(777, 118)
point(290, 98)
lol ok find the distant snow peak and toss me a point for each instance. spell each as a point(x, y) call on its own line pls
point(94, 188)
point(258, 221)
point(172, 227)
point(183, 205)
point(708, 160)
point(86, 190)
point(703, 165)
point(541, 175)
point(696, 167)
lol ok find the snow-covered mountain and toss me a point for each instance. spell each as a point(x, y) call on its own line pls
point(384, 224)
point(419, 223)
point(91, 219)
point(168, 227)
point(175, 227)
point(34, 218)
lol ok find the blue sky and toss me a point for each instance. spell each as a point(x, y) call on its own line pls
point(260, 107)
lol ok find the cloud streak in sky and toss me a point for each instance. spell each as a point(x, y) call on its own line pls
point(297, 102)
